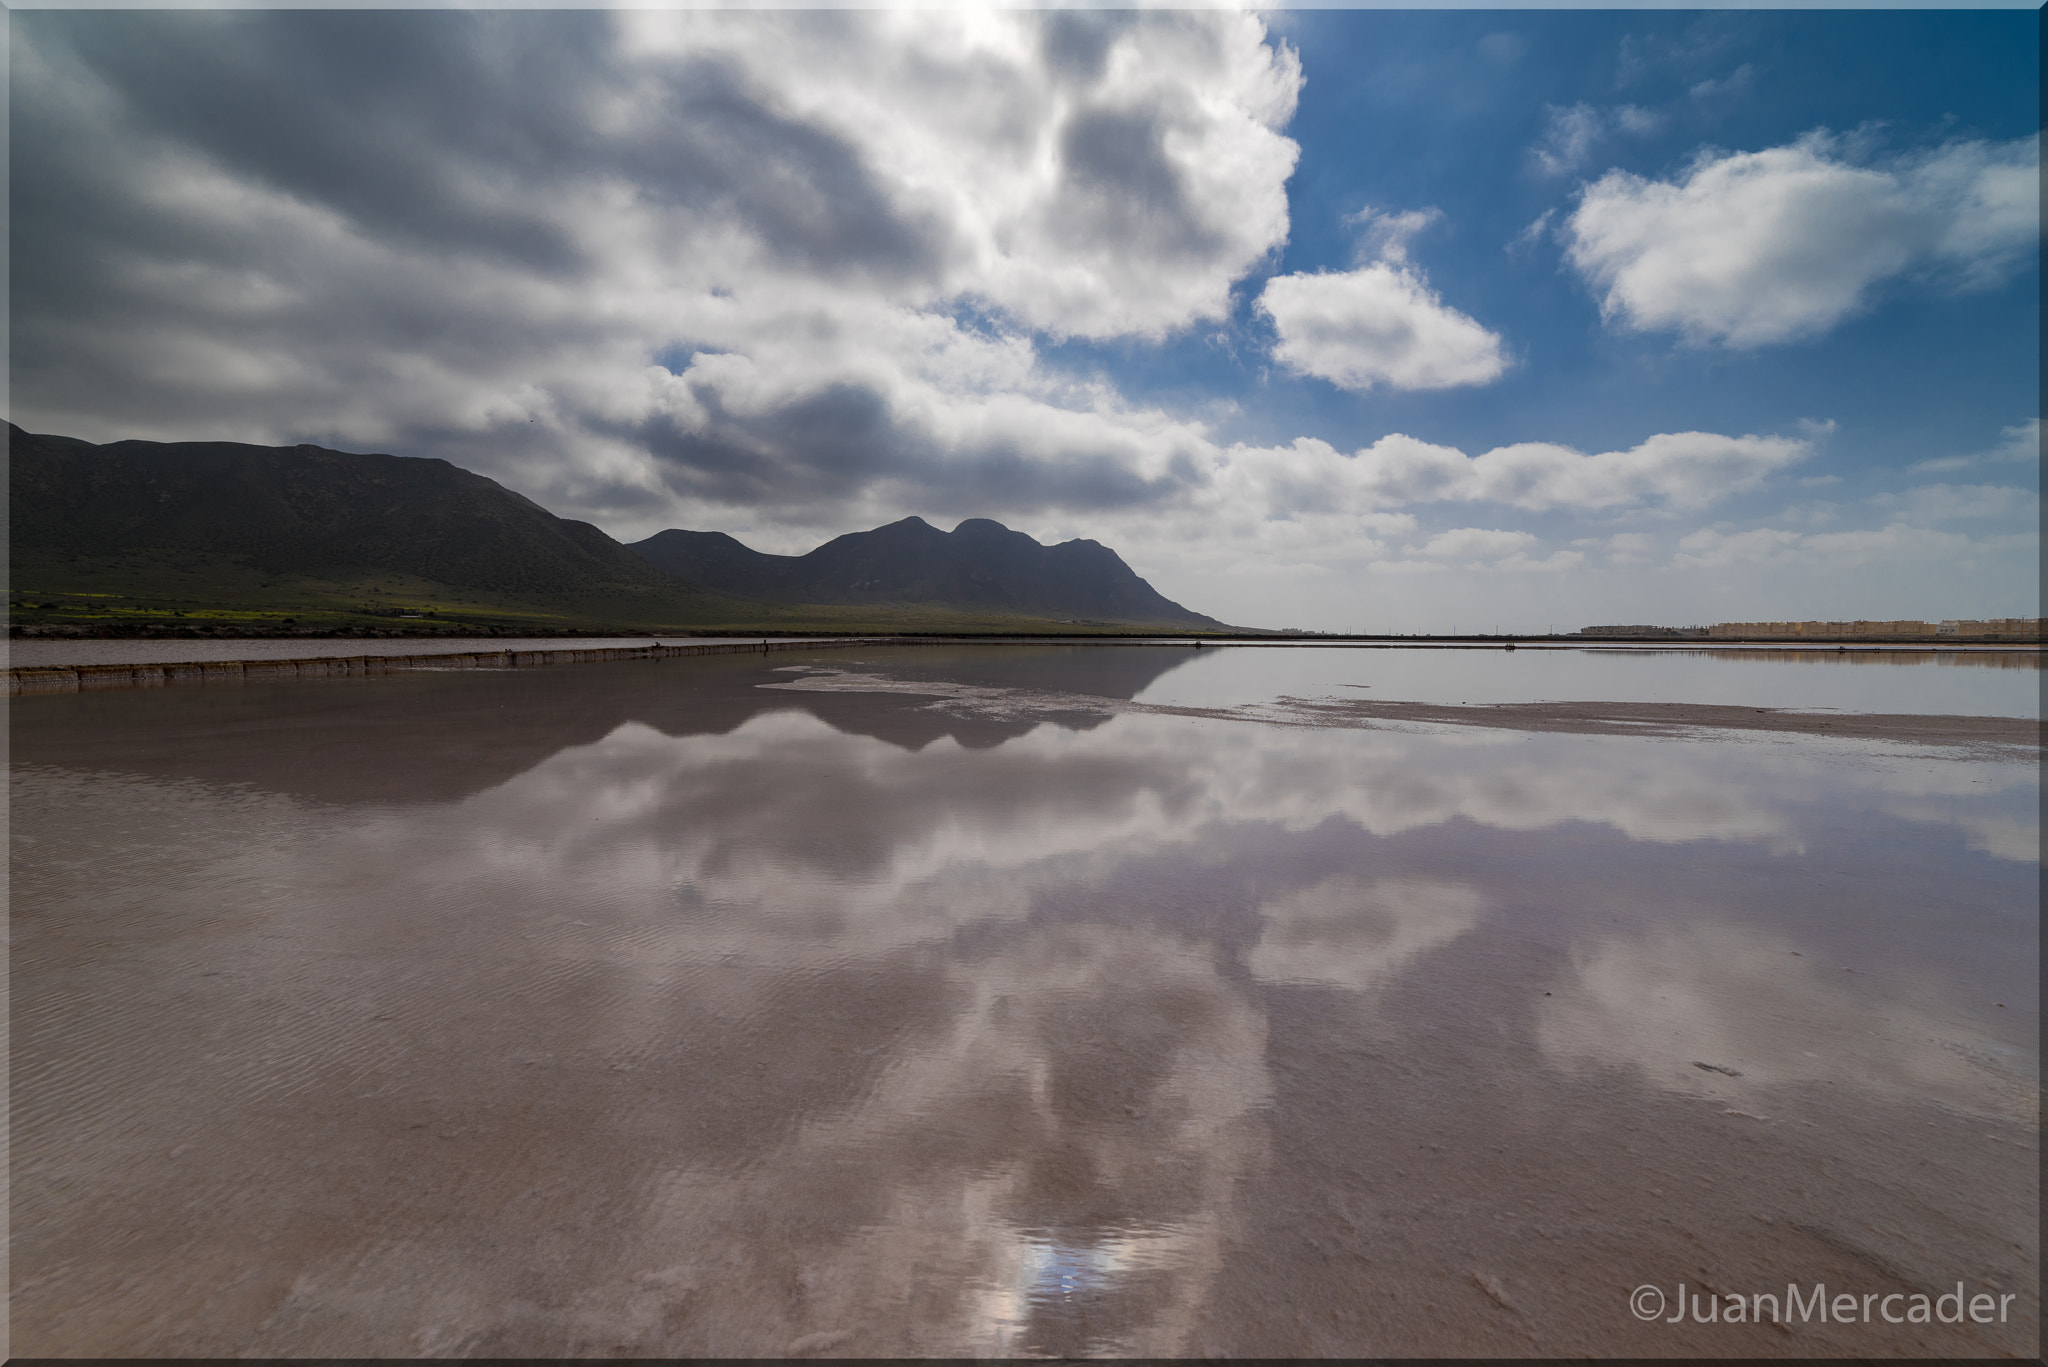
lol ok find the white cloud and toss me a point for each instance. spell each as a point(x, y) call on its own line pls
point(1094, 178)
point(780, 274)
point(2019, 444)
point(1724, 90)
point(1533, 233)
point(1752, 248)
point(1311, 518)
point(1311, 478)
point(1573, 134)
point(1385, 235)
point(1570, 135)
point(1378, 325)
point(1680, 469)
point(1638, 121)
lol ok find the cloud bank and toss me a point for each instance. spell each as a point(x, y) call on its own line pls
point(790, 273)
point(646, 264)
point(1674, 469)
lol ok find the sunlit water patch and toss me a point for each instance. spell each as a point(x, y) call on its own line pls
point(2003, 683)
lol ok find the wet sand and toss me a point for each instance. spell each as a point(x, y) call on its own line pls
point(712, 1007)
point(1988, 734)
point(1672, 719)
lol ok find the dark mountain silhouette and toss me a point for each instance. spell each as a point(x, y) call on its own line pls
point(260, 537)
point(978, 566)
point(308, 510)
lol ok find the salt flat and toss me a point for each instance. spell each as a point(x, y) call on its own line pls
point(1046, 1000)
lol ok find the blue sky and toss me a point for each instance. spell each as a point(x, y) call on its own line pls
point(1354, 320)
point(1405, 110)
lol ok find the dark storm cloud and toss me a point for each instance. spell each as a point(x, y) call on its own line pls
point(457, 130)
point(1077, 43)
point(471, 235)
point(831, 445)
point(1121, 185)
point(804, 190)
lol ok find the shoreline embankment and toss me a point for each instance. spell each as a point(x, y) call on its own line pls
point(80, 677)
point(29, 680)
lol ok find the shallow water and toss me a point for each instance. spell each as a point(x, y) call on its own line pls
point(938, 1001)
point(1980, 683)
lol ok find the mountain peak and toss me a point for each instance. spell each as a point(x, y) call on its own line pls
point(980, 566)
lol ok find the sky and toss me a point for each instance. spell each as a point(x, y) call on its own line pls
point(1348, 320)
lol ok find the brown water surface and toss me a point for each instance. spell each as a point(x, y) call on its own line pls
point(954, 1002)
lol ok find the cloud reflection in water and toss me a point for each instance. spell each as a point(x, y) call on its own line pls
point(851, 1045)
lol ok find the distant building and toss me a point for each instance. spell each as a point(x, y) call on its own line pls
point(1992, 629)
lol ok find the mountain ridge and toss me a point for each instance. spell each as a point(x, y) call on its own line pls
point(980, 565)
point(307, 509)
point(250, 537)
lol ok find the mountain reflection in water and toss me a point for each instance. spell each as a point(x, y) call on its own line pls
point(647, 1009)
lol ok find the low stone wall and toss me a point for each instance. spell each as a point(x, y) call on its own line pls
point(93, 678)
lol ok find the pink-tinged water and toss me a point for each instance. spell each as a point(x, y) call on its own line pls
point(890, 1002)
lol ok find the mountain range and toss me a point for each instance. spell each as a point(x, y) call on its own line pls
point(305, 509)
point(242, 536)
point(979, 565)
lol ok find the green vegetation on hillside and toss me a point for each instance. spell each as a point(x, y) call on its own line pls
point(181, 592)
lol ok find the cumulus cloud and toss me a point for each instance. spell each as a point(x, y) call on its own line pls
point(777, 273)
point(1380, 323)
point(647, 267)
point(1751, 248)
